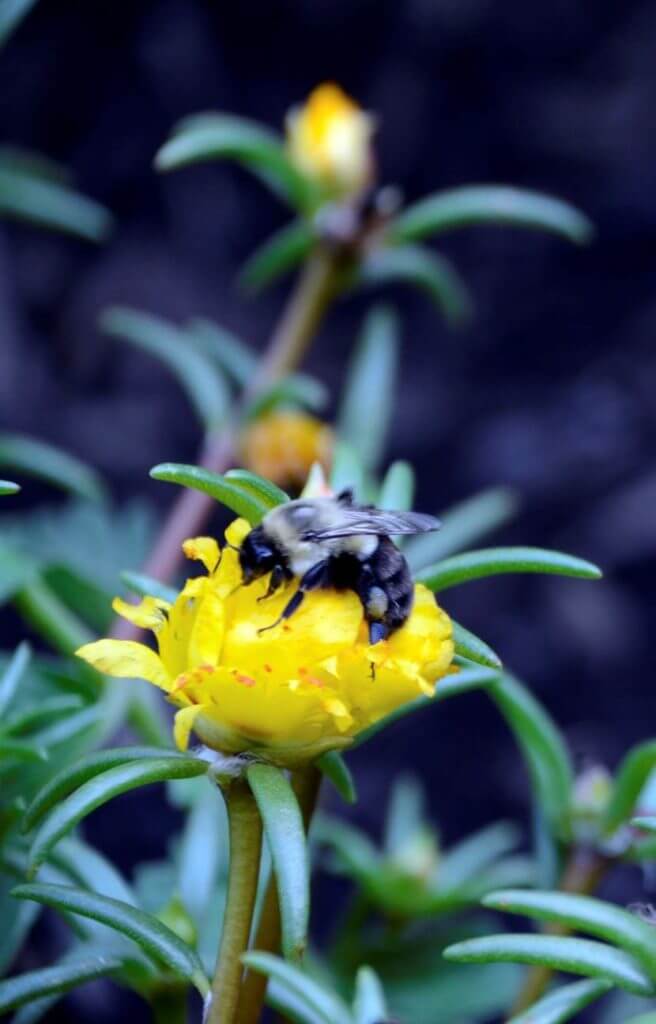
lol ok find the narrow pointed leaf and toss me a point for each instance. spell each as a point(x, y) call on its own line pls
point(222, 136)
point(324, 1004)
point(283, 827)
point(298, 390)
point(474, 565)
point(237, 360)
point(433, 274)
point(542, 746)
point(277, 256)
point(348, 471)
point(217, 487)
point(89, 869)
point(265, 491)
point(36, 458)
point(25, 988)
point(561, 1004)
point(576, 956)
point(335, 768)
point(369, 1005)
point(155, 938)
point(7, 487)
point(477, 852)
point(462, 525)
point(47, 711)
point(51, 205)
point(100, 790)
point(12, 675)
point(472, 205)
point(630, 779)
point(21, 750)
point(468, 645)
point(363, 424)
point(398, 487)
point(143, 586)
point(198, 376)
point(201, 850)
point(12, 13)
point(644, 1018)
point(585, 914)
point(75, 775)
point(646, 823)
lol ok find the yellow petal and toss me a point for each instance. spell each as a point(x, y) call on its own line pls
point(236, 532)
point(206, 638)
point(126, 660)
point(203, 549)
point(184, 723)
point(148, 614)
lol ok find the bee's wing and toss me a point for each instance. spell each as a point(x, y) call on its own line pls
point(356, 521)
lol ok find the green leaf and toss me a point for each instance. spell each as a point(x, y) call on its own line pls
point(468, 645)
point(88, 868)
point(51, 709)
point(348, 471)
point(232, 355)
point(433, 274)
point(369, 1004)
point(644, 1018)
point(576, 956)
point(647, 823)
point(398, 487)
point(277, 256)
point(582, 913)
point(103, 788)
point(217, 487)
point(158, 941)
point(405, 814)
point(335, 768)
point(561, 1004)
point(30, 197)
point(35, 458)
point(12, 675)
point(144, 586)
point(12, 13)
point(283, 826)
point(19, 750)
point(462, 525)
point(265, 491)
point(321, 1003)
point(630, 779)
point(7, 487)
point(474, 565)
point(72, 776)
point(490, 204)
point(296, 390)
point(222, 136)
point(35, 984)
point(475, 854)
point(203, 383)
point(542, 746)
point(363, 423)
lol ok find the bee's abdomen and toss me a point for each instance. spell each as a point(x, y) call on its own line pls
point(389, 571)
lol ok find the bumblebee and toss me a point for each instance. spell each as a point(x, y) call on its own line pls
point(336, 543)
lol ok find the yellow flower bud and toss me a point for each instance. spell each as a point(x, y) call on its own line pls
point(287, 694)
point(283, 446)
point(329, 139)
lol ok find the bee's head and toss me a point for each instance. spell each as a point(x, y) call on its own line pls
point(257, 555)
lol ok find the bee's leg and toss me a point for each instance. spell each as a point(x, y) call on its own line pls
point(312, 579)
point(378, 631)
point(278, 576)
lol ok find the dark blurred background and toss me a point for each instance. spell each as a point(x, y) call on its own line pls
point(550, 390)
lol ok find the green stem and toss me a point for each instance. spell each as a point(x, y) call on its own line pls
point(582, 874)
point(309, 301)
point(245, 847)
point(169, 1007)
point(306, 783)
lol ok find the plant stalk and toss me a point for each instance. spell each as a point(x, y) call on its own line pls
point(582, 874)
point(300, 318)
point(306, 783)
point(245, 847)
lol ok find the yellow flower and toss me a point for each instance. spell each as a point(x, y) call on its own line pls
point(283, 446)
point(329, 139)
point(289, 693)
